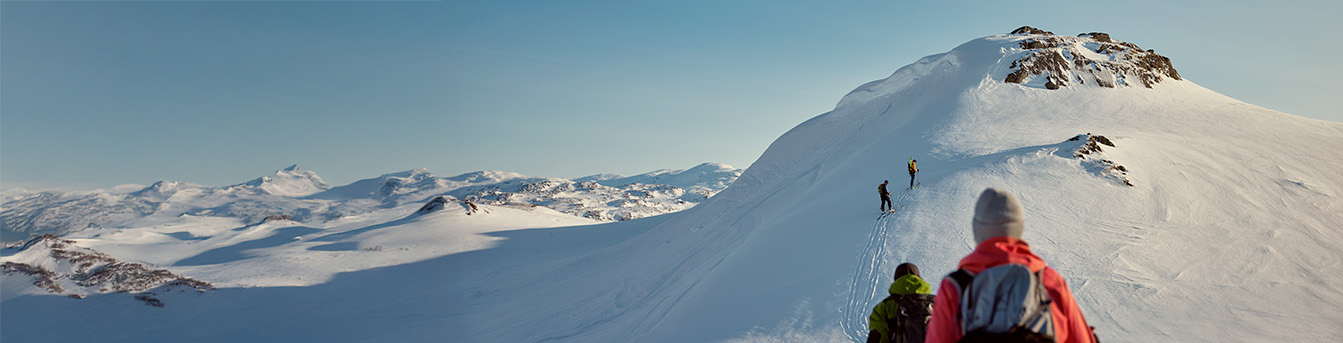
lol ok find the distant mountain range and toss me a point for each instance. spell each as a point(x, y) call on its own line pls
point(300, 195)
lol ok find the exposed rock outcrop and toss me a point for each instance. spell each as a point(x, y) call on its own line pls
point(1090, 151)
point(61, 267)
point(278, 217)
point(590, 199)
point(1090, 58)
point(434, 204)
point(1030, 30)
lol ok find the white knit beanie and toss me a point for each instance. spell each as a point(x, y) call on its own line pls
point(998, 214)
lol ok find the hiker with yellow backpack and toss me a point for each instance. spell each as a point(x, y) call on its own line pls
point(912, 170)
point(885, 196)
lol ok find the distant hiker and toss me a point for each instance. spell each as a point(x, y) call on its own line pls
point(1002, 292)
point(912, 170)
point(903, 316)
point(885, 196)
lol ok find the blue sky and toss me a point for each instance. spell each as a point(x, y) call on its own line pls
point(96, 94)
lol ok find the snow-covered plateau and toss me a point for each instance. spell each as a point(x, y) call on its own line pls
point(300, 195)
point(1174, 213)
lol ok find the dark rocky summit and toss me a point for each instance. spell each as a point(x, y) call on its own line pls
point(1064, 61)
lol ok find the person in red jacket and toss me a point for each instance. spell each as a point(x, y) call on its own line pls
point(998, 224)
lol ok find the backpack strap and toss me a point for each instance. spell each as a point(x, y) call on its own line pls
point(891, 297)
point(961, 279)
point(890, 318)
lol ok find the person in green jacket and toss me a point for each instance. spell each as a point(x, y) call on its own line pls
point(903, 316)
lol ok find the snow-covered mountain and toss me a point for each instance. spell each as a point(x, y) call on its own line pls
point(708, 178)
point(290, 182)
point(1173, 212)
point(301, 195)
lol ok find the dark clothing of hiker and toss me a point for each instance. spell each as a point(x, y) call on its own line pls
point(885, 197)
point(886, 313)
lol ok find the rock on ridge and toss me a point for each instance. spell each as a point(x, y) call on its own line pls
point(1094, 160)
point(61, 267)
point(1031, 31)
point(433, 205)
point(1089, 58)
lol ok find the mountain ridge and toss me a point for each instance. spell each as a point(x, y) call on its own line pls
point(970, 129)
point(301, 195)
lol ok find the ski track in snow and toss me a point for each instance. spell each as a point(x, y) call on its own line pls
point(853, 317)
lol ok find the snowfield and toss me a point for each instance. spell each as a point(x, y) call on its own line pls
point(1229, 232)
point(300, 195)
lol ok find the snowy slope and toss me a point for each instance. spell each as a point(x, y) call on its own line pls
point(1228, 232)
point(277, 281)
point(1225, 193)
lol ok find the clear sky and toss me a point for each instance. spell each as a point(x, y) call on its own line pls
point(97, 94)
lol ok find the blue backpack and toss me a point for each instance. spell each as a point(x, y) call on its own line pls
point(1005, 303)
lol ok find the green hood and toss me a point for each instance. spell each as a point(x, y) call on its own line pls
point(911, 284)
